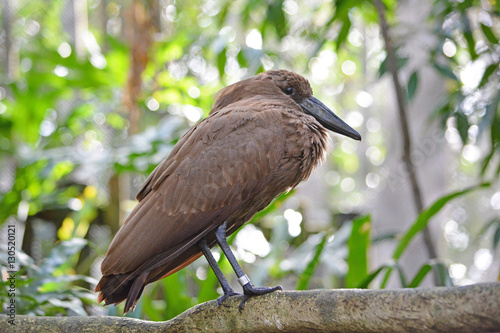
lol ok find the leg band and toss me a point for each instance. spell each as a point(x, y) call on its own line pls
point(243, 280)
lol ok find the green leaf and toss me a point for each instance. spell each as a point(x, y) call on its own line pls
point(443, 275)
point(491, 224)
point(421, 274)
point(445, 71)
point(496, 238)
point(497, 172)
point(344, 32)
point(276, 18)
point(221, 17)
point(462, 126)
point(424, 217)
point(384, 237)
point(221, 62)
point(383, 65)
point(402, 277)
point(358, 245)
point(412, 85)
point(387, 275)
point(371, 277)
point(491, 122)
point(305, 277)
point(488, 33)
point(242, 61)
point(469, 37)
point(495, 123)
point(487, 73)
point(471, 45)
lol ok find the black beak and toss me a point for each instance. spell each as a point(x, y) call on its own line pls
point(327, 118)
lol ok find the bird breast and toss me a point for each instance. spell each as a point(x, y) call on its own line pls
point(304, 147)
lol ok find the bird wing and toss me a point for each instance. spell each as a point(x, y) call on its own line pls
point(217, 165)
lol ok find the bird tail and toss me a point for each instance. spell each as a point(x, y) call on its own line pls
point(115, 288)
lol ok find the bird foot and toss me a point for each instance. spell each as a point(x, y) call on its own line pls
point(225, 296)
point(249, 291)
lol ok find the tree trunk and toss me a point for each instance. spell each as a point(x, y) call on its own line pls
point(474, 308)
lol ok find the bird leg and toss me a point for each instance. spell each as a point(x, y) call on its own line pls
point(226, 287)
point(248, 289)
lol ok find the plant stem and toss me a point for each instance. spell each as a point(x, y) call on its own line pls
point(407, 159)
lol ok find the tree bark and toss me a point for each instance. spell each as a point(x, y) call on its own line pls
point(474, 308)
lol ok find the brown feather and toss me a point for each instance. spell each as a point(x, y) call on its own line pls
point(255, 144)
point(135, 292)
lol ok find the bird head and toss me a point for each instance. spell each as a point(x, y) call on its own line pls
point(297, 88)
point(284, 84)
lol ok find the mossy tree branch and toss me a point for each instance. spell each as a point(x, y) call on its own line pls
point(474, 308)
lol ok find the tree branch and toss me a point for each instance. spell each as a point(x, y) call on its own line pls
point(474, 308)
point(407, 158)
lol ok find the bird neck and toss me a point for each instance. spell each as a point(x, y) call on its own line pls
point(307, 140)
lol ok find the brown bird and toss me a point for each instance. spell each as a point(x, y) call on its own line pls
point(264, 135)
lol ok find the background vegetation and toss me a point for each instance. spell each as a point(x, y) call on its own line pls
point(94, 94)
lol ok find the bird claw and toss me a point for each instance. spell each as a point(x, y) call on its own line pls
point(242, 303)
point(221, 299)
point(249, 291)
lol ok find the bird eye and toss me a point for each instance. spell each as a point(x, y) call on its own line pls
point(289, 90)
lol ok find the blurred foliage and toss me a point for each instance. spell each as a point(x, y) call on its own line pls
point(419, 224)
point(468, 42)
point(51, 288)
point(73, 154)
